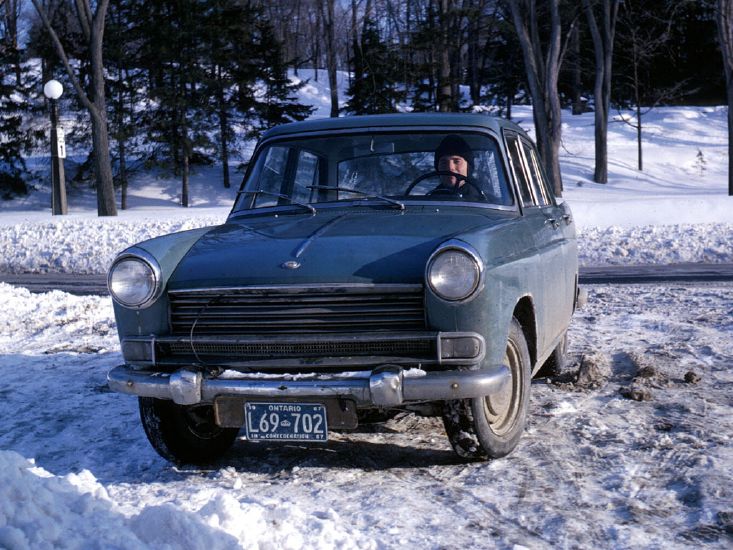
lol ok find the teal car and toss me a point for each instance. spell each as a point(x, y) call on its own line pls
point(415, 262)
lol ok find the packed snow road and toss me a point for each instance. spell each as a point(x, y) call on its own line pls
point(629, 447)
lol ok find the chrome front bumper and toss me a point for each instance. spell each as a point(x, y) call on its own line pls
point(384, 387)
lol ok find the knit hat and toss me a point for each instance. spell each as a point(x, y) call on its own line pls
point(453, 145)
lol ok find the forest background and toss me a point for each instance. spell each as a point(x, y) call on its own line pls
point(175, 84)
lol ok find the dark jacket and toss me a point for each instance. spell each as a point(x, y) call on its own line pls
point(465, 192)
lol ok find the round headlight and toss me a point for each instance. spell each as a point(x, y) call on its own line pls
point(454, 274)
point(132, 282)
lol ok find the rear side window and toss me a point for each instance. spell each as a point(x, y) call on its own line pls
point(538, 181)
point(519, 169)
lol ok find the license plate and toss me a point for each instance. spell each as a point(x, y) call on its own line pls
point(286, 421)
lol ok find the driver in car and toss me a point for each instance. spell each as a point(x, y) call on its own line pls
point(453, 162)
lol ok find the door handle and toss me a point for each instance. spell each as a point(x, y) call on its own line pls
point(568, 219)
point(553, 222)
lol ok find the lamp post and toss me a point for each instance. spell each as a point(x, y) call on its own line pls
point(53, 90)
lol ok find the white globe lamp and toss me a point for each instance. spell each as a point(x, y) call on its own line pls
point(53, 89)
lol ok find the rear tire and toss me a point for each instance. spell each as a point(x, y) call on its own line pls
point(556, 361)
point(184, 434)
point(490, 427)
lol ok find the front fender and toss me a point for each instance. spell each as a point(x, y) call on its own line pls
point(168, 251)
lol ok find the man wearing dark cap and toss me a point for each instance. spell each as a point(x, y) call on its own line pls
point(454, 155)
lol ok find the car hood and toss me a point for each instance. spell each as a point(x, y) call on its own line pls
point(343, 246)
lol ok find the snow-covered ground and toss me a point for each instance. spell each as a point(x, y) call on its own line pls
point(595, 468)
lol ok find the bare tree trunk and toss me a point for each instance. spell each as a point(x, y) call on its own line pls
point(11, 17)
point(577, 105)
point(223, 130)
point(123, 174)
point(603, 47)
point(542, 76)
point(121, 137)
point(354, 45)
point(92, 26)
point(473, 56)
point(317, 48)
point(445, 96)
point(185, 182)
point(407, 45)
point(637, 101)
point(724, 18)
point(328, 19)
point(640, 163)
point(102, 166)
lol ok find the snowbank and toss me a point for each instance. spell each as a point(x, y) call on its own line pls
point(39, 510)
point(88, 245)
point(676, 210)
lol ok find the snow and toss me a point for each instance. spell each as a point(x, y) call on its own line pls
point(672, 212)
point(594, 469)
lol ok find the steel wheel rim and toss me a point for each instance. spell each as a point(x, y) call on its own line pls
point(502, 409)
point(200, 421)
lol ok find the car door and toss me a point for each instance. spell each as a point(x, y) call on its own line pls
point(544, 218)
point(562, 236)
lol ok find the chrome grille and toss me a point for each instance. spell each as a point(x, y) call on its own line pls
point(297, 310)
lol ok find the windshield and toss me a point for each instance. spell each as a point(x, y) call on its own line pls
point(394, 168)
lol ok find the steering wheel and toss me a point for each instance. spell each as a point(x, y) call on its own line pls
point(453, 190)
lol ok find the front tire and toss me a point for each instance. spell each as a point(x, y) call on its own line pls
point(490, 427)
point(184, 434)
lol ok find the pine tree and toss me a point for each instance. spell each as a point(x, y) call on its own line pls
point(423, 65)
point(230, 46)
point(502, 75)
point(177, 119)
point(278, 104)
point(12, 141)
point(14, 106)
point(125, 90)
point(375, 89)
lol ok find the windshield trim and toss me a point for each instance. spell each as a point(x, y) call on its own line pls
point(364, 203)
point(360, 130)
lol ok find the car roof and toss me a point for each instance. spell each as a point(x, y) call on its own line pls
point(390, 121)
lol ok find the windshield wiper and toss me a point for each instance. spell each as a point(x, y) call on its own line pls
point(394, 202)
point(308, 207)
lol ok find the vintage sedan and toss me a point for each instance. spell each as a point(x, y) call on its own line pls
point(417, 262)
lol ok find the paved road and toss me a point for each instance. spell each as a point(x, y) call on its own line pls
point(615, 274)
point(630, 274)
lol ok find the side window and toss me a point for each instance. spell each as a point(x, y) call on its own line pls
point(548, 189)
point(538, 182)
point(519, 169)
point(287, 171)
point(490, 177)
